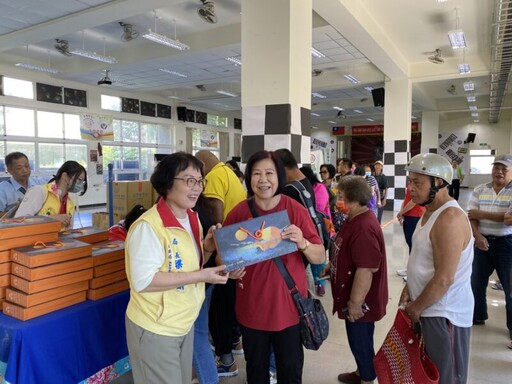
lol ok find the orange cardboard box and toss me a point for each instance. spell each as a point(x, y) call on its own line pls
point(25, 300)
point(107, 252)
point(98, 282)
point(51, 270)
point(28, 226)
point(5, 256)
point(5, 268)
point(5, 280)
point(108, 290)
point(63, 250)
point(28, 240)
point(46, 284)
point(105, 269)
point(89, 235)
point(24, 314)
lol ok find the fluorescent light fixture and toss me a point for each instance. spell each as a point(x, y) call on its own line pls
point(370, 119)
point(316, 53)
point(314, 114)
point(369, 89)
point(165, 40)
point(94, 56)
point(357, 111)
point(37, 68)
point(473, 108)
point(175, 97)
point(476, 120)
point(313, 127)
point(234, 60)
point(471, 99)
point(173, 72)
point(457, 39)
point(442, 1)
point(413, 117)
point(469, 86)
point(318, 95)
point(226, 93)
point(338, 108)
point(332, 122)
point(351, 78)
point(464, 68)
point(474, 114)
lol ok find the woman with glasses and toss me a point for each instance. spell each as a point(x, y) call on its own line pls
point(165, 253)
point(53, 199)
point(264, 307)
point(327, 173)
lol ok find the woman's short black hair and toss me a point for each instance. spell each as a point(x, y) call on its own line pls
point(355, 189)
point(73, 170)
point(310, 175)
point(330, 168)
point(359, 171)
point(261, 155)
point(168, 168)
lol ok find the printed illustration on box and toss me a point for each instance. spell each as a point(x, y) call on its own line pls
point(254, 240)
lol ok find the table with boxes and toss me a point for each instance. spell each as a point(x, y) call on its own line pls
point(42, 271)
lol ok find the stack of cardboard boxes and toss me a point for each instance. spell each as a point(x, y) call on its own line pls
point(109, 275)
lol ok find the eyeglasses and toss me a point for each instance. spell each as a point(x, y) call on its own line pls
point(191, 182)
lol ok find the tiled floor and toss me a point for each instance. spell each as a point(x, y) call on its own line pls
point(490, 361)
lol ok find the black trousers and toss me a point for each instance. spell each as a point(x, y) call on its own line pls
point(288, 351)
point(454, 189)
point(222, 319)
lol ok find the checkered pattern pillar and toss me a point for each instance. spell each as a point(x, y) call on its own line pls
point(276, 126)
point(396, 157)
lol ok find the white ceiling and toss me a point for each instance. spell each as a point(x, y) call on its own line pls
point(374, 40)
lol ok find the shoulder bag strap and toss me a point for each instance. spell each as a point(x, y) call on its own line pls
point(305, 196)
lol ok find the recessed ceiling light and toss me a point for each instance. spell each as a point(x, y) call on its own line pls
point(370, 119)
point(318, 95)
point(226, 93)
point(234, 60)
point(473, 108)
point(457, 39)
point(351, 78)
point(357, 111)
point(471, 99)
point(316, 53)
point(474, 114)
point(369, 89)
point(469, 86)
point(313, 127)
point(314, 114)
point(173, 72)
point(464, 68)
point(332, 122)
point(338, 108)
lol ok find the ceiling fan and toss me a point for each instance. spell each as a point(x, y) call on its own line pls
point(436, 57)
point(129, 33)
point(62, 47)
point(105, 81)
point(207, 11)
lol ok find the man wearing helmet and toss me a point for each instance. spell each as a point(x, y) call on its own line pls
point(493, 238)
point(438, 290)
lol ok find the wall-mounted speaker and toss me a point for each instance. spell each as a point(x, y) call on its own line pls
point(470, 139)
point(378, 97)
point(182, 113)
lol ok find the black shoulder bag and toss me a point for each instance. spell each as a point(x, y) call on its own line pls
point(314, 324)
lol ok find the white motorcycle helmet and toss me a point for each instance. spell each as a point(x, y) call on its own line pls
point(431, 164)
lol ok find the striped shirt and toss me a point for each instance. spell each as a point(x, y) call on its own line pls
point(485, 198)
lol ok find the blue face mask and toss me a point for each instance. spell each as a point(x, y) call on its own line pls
point(77, 187)
point(368, 173)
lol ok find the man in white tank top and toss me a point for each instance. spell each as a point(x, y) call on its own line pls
point(438, 290)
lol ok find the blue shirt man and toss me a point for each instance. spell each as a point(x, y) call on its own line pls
point(14, 189)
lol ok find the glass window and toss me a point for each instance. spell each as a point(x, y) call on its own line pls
point(19, 122)
point(2, 121)
point(481, 161)
point(50, 124)
point(18, 88)
point(216, 120)
point(51, 157)
point(116, 124)
point(28, 149)
point(2, 157)
point(111, 154)
point(148, 133)
point(130, 131)
point(164, 134)
point(147, 157)
point(112, 103)
point(77, 152)
point(72, 126)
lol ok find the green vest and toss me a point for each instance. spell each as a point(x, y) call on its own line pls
point(171, 312)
